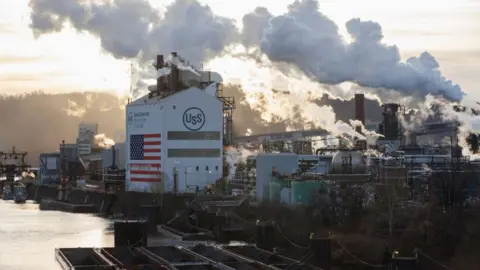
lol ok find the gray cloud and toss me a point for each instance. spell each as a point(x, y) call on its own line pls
point(309, 40)
point(131, 28)
point(303, 37)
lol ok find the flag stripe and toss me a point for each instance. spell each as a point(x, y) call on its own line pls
point(154, 165)
point(152, 143)
point(152, 150)
point(152, 158)
point(145, 180)
point(152, 136)
point(146, 172)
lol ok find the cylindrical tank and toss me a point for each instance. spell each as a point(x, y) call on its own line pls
point(276, 187)
point(348, 162)
point(304, 192)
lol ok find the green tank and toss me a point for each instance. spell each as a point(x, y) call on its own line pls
point(275, 189)
point(304, 192)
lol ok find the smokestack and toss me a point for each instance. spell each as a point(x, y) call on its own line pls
point(174, 75)
point(359, 110)
point(390, 121)
point(160, 62)
point(160, 80)
point(113, 157)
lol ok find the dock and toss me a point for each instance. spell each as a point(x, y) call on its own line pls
point(197, 257)
point(55, 205)
point(176, 246)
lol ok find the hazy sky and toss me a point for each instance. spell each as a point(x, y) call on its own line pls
point(449, 29)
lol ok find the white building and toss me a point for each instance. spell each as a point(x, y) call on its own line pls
point(174, 144)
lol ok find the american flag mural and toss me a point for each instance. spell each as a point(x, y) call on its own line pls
point(145, 154)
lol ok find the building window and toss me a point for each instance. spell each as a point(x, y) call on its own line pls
point(216, 168)
point(194, 153)
point(194, 135)
point(174, 107)
point(206, 168)
point(197, 168)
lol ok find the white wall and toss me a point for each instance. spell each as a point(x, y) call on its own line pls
point(174, 109)
point(168, 115)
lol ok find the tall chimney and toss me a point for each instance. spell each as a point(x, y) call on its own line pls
point(114, 157)
point(359, 110)
point(174, 75)
point(160, 62)
point(160, 80)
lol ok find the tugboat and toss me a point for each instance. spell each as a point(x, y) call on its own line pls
point(19, 194)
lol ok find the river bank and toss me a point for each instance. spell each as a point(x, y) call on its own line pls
point(361, 233)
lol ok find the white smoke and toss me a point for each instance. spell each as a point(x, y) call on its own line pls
point(234, 156)
point(468, 122)
point(300, 51)
point(303, 37)
point(101, 140)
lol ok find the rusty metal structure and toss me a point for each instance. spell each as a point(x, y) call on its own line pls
point(12, 164)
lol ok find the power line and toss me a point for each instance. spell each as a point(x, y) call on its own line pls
point(360, 260)
point(433, 260)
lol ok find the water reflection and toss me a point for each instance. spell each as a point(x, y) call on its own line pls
point(28, 237)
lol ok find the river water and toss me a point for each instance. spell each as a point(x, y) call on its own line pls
point(28, 236)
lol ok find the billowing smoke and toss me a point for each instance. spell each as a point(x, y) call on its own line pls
point(133, 28)
point(312, 42)
point(235, 156)
point(102, 141)
point(303, 37)
point(300, 52)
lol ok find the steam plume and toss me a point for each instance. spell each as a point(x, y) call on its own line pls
point(101, 140)
point(303, 37)
point(133, 28)
point(309, 40)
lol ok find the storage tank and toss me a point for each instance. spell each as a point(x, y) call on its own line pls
point(348, 162)
point(304, 192)
point(275, 189)
point(284, 163)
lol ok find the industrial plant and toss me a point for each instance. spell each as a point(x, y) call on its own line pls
point(179, 139)
point(179, 142)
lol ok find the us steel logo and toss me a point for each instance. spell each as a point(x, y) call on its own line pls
point(193, 119)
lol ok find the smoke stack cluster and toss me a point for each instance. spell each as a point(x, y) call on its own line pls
point(359, 110)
